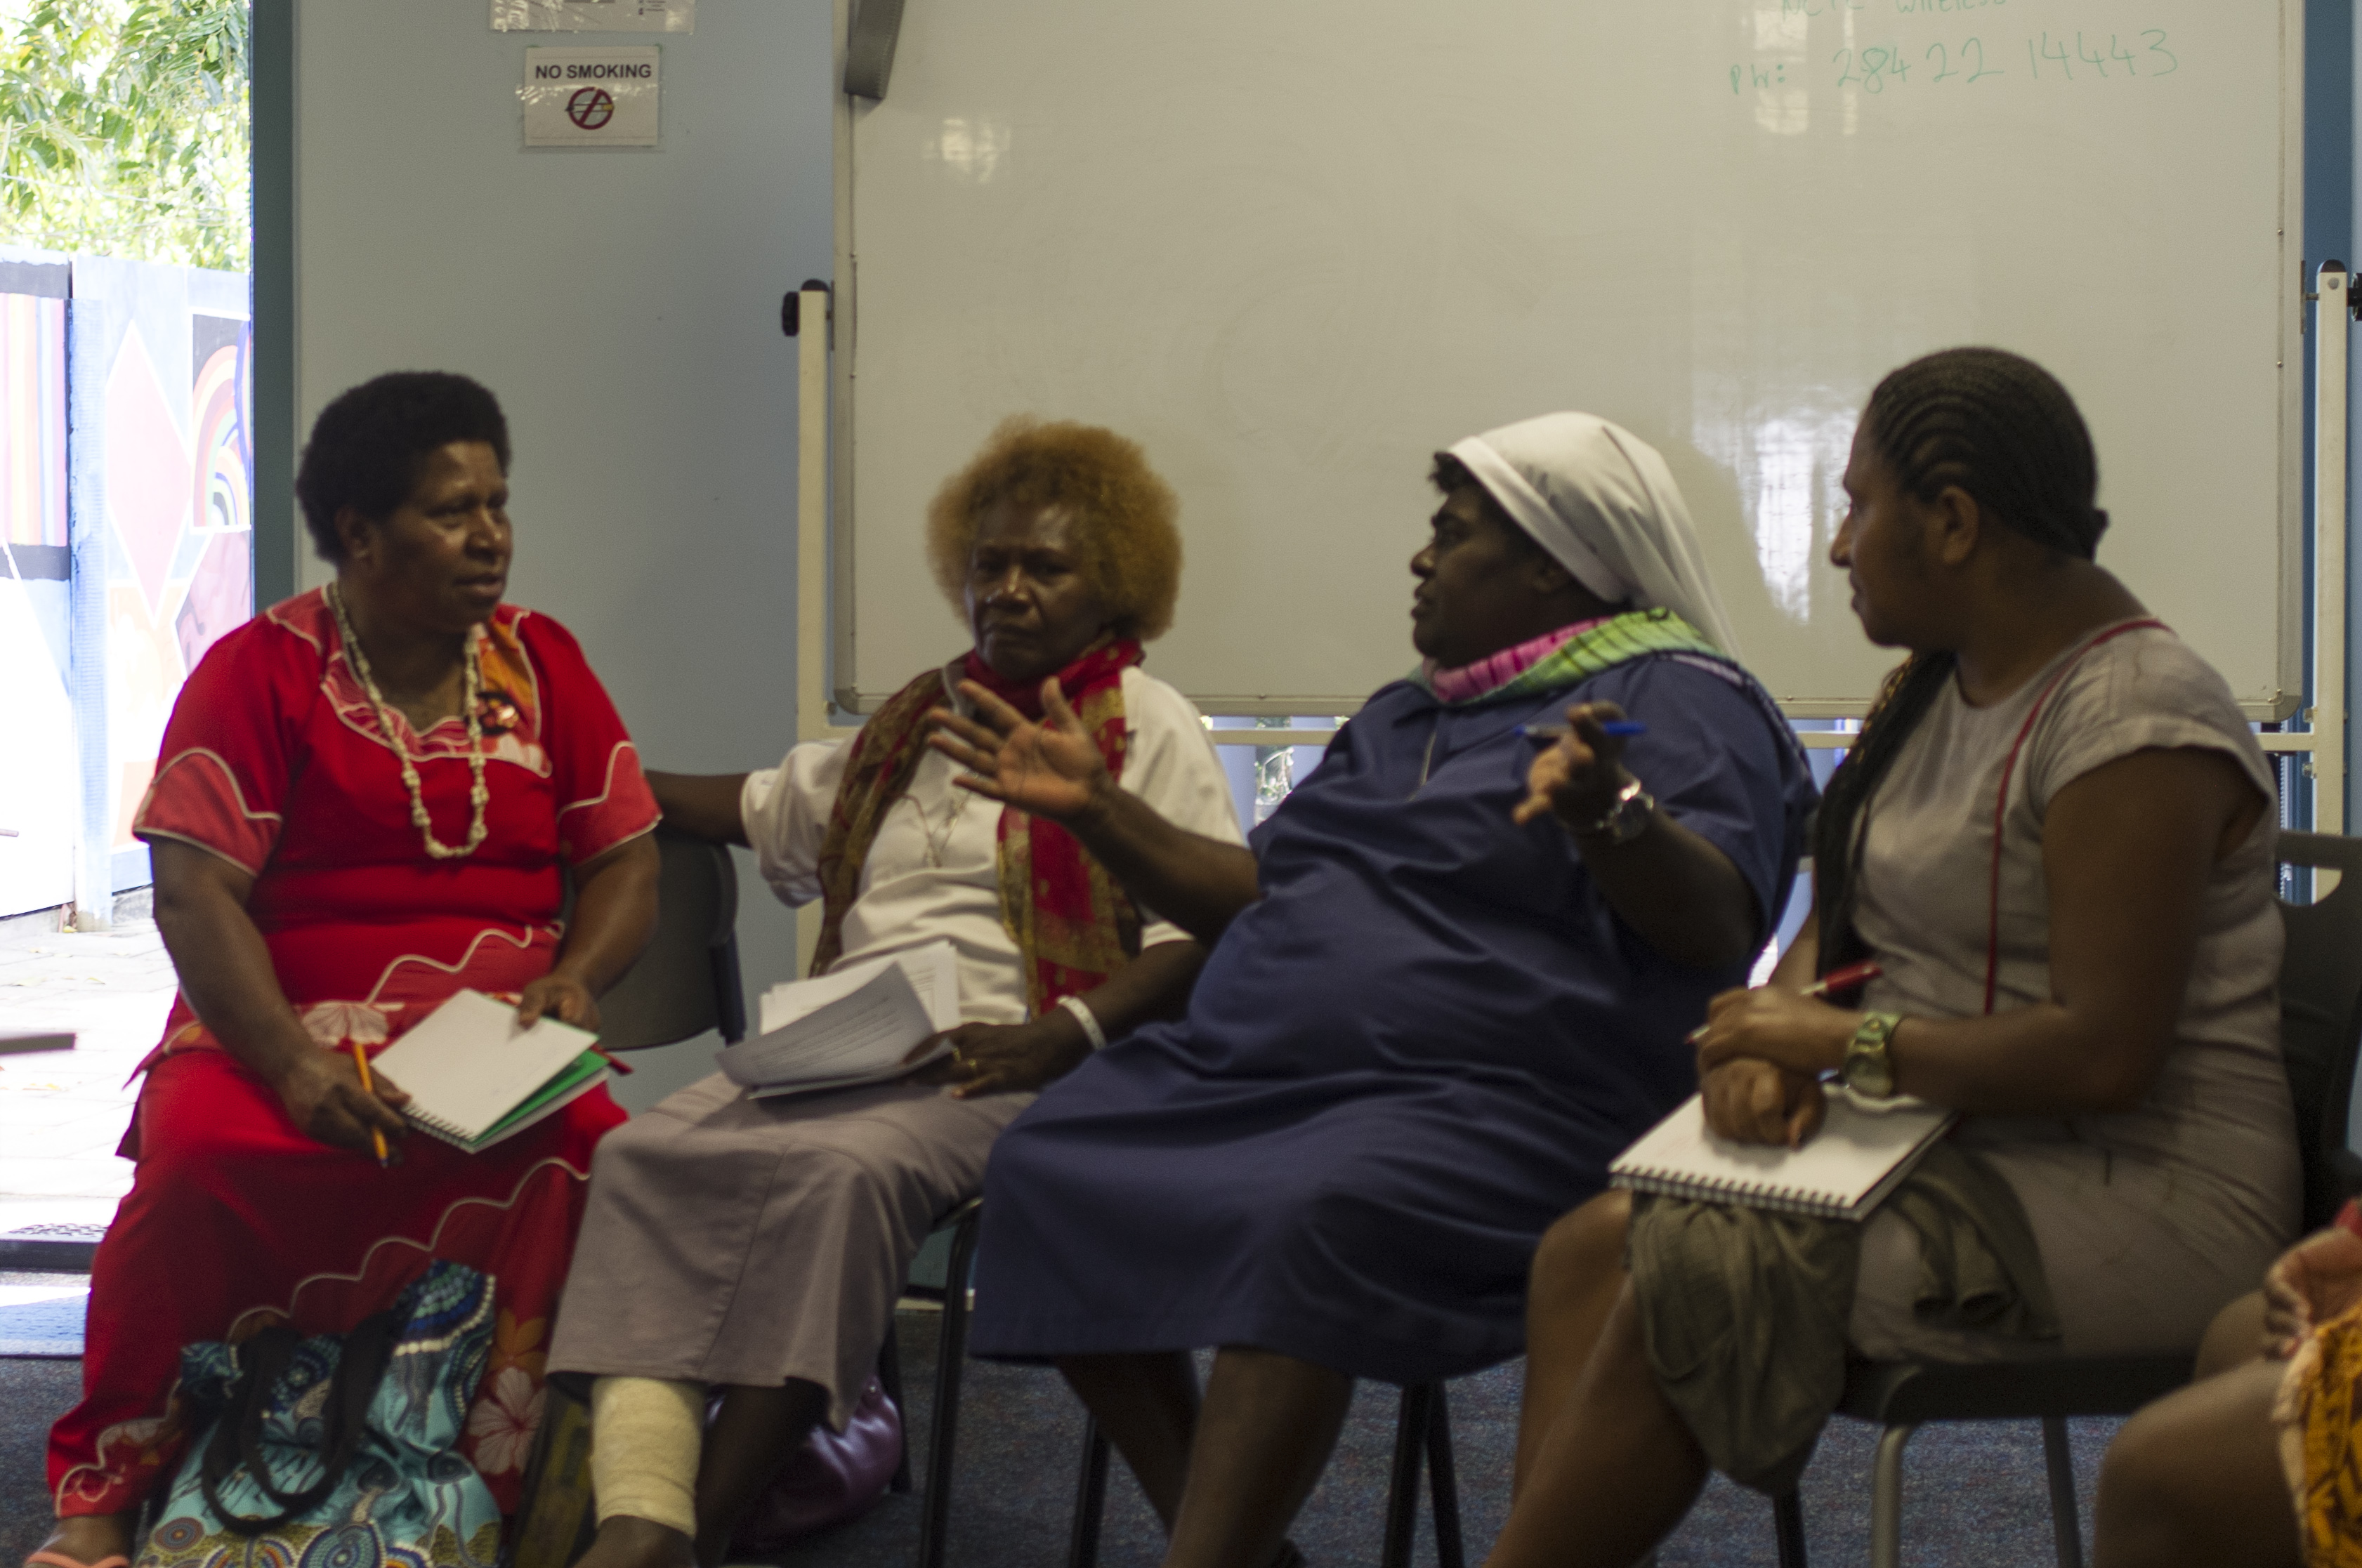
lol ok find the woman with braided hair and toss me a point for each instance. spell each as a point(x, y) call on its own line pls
point(2055, 837)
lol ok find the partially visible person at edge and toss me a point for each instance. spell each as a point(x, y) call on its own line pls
point(2256, 1464)
point(367, 798)
point(2095, 991)
point(755, 1248)
point(1430, 1026)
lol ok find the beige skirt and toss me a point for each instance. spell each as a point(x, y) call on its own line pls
point(2139, 1254)
point(737, 1240)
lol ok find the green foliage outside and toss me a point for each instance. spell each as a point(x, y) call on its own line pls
point(124, 128)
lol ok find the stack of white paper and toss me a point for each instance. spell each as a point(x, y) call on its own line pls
point(849, 1028)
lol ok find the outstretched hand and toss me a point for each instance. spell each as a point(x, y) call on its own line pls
point(1051, 768)
point(1578, 777)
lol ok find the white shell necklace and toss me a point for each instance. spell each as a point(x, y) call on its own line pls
point(478, 797)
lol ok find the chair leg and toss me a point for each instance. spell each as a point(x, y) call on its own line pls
point(1444, 1485)
point(2059, 1456)
point(934, 1513)
point(1788, 1528)
point(557, 1519)
point(1886, 1498)
point(890, 1378)
point(1090, 1499)
point(1402, 1492)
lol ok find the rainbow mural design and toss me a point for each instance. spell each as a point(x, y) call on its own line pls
point(33, 421)
point(39, 788)
point(126, 516)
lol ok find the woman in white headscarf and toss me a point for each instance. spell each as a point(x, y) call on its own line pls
point(1455, 997)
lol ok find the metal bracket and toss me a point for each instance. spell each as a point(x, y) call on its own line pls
point(2353, 303)
point(869, 51)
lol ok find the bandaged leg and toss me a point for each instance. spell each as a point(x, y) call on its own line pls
point(645, 1435)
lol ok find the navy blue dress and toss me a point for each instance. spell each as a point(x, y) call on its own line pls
point(1419, 1049)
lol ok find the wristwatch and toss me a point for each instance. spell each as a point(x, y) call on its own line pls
point(1627, 819)
point(1869, 1068)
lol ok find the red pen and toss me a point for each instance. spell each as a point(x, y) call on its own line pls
point(1845, 979)
point(625, 1068)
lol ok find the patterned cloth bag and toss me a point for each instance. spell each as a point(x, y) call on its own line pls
point(338, 1451)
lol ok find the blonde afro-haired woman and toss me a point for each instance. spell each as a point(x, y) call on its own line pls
point(755, 1248)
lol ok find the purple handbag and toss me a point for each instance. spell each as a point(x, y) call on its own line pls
point(834, 1477)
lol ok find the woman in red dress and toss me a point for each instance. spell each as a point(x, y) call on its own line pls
point(364, 802)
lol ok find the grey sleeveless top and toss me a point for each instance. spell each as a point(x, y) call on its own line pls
point(2218, 1112)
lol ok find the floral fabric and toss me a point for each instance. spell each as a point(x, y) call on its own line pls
point(405, 1500)
point(2321, 1451)
point(1073, 926)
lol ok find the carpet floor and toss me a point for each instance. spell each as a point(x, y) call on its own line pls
point(1975, 1497)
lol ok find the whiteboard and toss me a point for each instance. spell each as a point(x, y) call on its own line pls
point(1295, 247)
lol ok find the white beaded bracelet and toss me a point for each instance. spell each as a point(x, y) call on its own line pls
point(1082, 1011)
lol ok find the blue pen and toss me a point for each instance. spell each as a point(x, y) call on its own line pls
point(1549, 733)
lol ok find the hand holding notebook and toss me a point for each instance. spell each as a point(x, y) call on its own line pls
point(474, 1077)
point(1862, 1152)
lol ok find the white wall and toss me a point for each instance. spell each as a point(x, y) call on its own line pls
point(624, 305)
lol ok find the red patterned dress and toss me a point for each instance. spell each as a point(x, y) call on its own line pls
point(275, 760)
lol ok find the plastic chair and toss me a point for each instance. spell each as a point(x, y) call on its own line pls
point(686, 980)
point(2321, 1032)
point(951, 1359)
point(1422, 1432)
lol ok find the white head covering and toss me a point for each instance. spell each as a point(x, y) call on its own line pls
point(1602, 502)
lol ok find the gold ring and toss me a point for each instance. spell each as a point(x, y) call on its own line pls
point(959, 1057)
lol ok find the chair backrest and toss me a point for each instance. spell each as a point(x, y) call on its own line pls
point(686, 982)
point(2320, 1017)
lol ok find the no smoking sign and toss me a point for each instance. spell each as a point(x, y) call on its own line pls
point(591, 96)
point(591, 108)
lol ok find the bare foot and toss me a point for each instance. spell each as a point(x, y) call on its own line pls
point(91, 1538)
point(625, 1541)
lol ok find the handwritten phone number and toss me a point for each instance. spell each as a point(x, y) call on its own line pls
point(1875, 67)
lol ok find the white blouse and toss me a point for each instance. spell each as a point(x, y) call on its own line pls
point(933, 872)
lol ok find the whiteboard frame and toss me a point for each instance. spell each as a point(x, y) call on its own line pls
point(2288, 701)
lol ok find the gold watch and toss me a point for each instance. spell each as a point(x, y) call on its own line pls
point(1869, 1068)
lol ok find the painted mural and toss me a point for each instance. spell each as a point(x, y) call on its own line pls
point(123, 476)
point(159, 359)
point(38, 798)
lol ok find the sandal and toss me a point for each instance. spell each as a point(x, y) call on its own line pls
point(60, 1560)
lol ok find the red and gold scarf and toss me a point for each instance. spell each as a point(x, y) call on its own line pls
point(1073, 927)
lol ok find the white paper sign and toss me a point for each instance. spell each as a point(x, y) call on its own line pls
point(591, 96)
point(594, 16)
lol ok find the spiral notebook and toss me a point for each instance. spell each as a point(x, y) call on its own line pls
point(1845, 1173)
point(474, 1077)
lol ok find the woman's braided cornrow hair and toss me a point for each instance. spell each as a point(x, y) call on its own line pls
point(2002, 428)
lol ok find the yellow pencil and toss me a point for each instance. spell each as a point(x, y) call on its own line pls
point(368, 1086)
